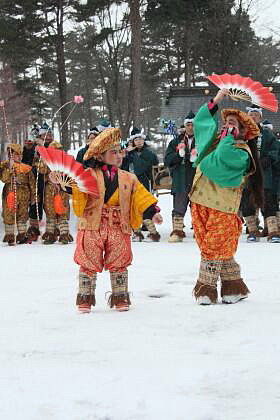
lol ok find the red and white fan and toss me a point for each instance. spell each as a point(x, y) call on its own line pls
point(68, 172)
point(246, 89)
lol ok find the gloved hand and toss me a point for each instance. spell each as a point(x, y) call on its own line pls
point(265, 162)
point(181, 148)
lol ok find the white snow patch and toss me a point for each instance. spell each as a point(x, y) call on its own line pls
point(167, 358)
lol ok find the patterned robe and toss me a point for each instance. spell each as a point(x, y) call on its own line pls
point(25, 191)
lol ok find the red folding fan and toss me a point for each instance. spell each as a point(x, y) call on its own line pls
point(246, 89)
point(68, 172)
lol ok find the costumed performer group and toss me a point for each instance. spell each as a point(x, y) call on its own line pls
point(221, 174)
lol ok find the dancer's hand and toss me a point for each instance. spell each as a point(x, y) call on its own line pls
point(220, 95)
point(53, 177)
point(130, 148)
point(181, 149)
point(157, 219)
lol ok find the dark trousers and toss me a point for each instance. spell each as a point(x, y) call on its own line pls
point(269, 208)
point(33, 209)
point(180, 204)
point(40, 196)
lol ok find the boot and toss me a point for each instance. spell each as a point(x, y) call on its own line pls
point(70, 237)
point(33, 231)
point(9, 236)
point(86, 294)
point(265, 230)
point(119, 298)
point(273, 231)
point(205, 290)
point(278, 219)
point(64, 237)
point(22, 236)
point(177, 234)
point(137, 236)
point(233, 287)
point(153, 234)
point(11, 239)
point(56, 232)
point(254, 233)
point(49, 236)
point(154, 237)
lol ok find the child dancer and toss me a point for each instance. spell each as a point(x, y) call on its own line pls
point(105, 223)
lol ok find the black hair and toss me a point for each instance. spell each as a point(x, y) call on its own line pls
point(144, 145)
point(93, 163)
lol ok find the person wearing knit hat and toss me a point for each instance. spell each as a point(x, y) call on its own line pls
point(46, 134)
point(268, 154)
point(105, 222)
point(136, 133)
point(18, 192)
point(141, 160)
point(179, 158)
point(56, 207)
point(226, 160)
point(93, 133)
point(103, 124)
point(30, 145)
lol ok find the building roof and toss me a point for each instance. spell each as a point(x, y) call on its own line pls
point(180, 101)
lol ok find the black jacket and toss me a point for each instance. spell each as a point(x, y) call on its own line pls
point(141, 162)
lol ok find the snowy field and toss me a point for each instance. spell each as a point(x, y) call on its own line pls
point(165, 359)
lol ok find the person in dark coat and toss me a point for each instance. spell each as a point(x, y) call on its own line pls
point(140, 160)
point(28, 152)
point(275, 175)
point(179, 158)
point(269, 158)
point(93, 133)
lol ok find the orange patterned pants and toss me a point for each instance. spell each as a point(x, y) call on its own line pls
point(216, 233)
point(107, 247)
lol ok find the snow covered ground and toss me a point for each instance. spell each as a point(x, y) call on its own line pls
point(166, 358)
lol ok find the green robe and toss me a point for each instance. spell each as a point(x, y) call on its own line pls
point(226, 164)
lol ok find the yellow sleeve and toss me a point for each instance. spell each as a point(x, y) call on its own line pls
point(79, 201)
point(141, 200)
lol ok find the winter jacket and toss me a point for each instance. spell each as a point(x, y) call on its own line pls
point(80, 155)
point(268, 156)
point(181, 169)
point(141, 163)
